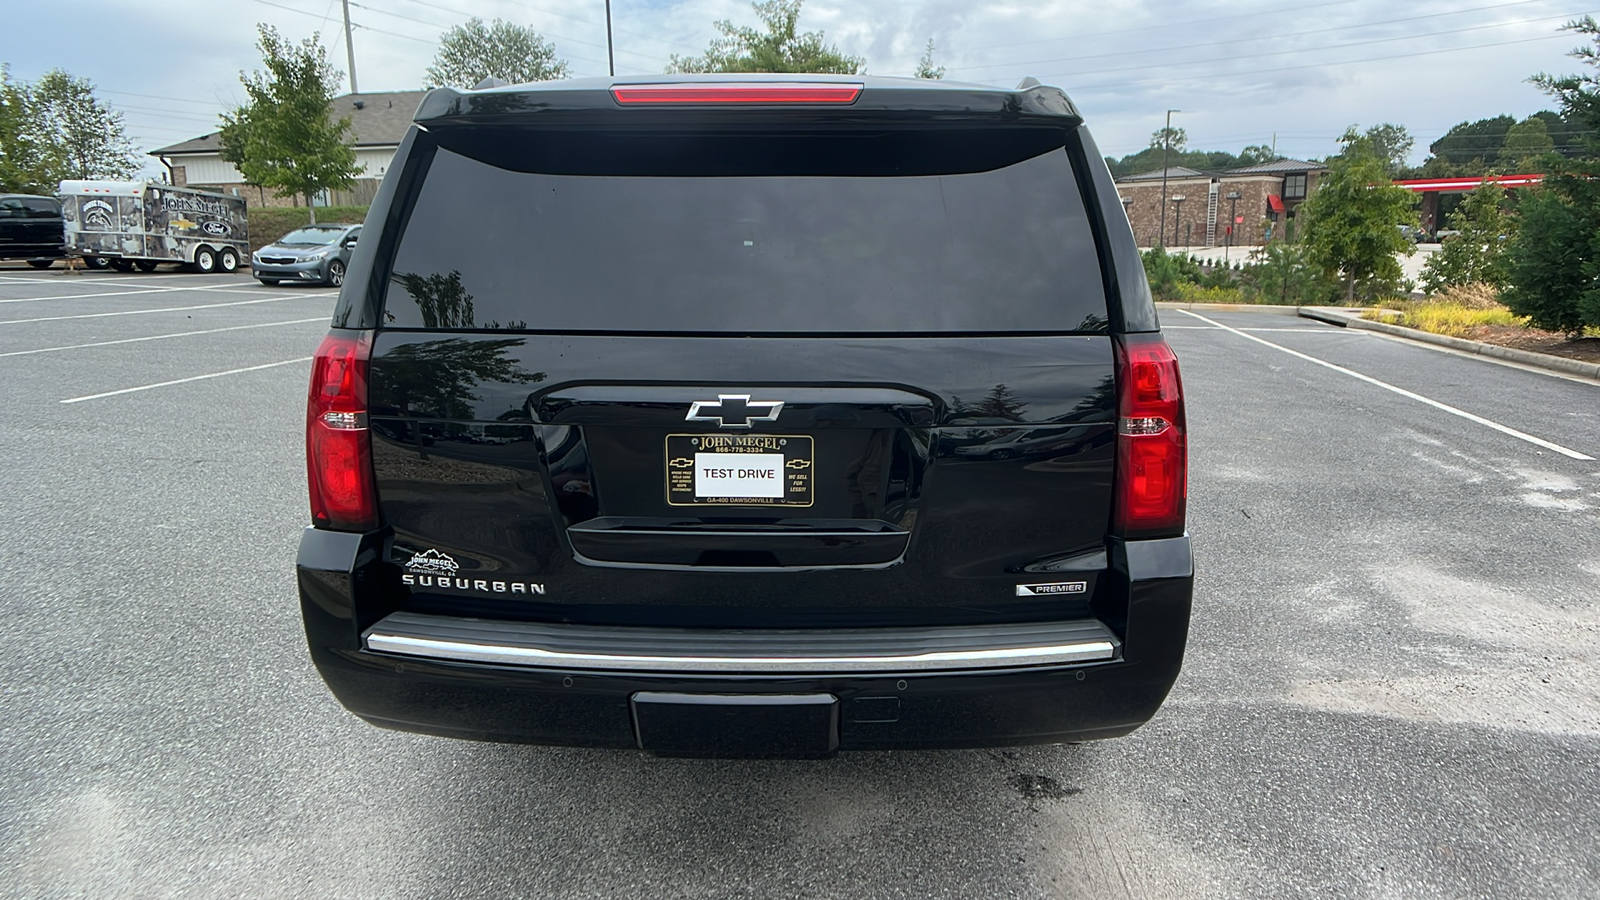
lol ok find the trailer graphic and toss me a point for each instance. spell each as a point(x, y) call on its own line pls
point(136, 223)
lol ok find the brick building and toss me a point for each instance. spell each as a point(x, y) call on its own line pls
point(377, 124)
point(1256, 202)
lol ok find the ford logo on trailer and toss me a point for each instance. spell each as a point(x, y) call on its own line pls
point(216, 228)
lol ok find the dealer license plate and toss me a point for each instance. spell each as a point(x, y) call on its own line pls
point(739, 470)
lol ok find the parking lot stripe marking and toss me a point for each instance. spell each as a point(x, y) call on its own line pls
point(149, 290)
point(1331, 329)
point(1503, 429)
point(162, 384)
point(140, 312)
point(152, 289)
point(158, 337)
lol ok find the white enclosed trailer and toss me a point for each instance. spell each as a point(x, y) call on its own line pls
point(136, 223)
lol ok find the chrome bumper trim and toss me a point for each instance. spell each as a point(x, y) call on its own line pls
point(540, 647)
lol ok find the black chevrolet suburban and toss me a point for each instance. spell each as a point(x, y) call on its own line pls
point(747, 415)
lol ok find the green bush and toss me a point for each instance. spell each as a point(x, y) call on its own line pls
point(1199, 293)
point(1477, 254)
point(1167, 271)
point(1551, 262)
point(1283, 274)
point(268, 223)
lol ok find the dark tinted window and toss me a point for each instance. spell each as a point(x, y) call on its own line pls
point(1002, 250)
point(42, 207)
point(314, 234)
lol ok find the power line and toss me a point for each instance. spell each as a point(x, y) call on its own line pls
point(155, 97)
point(1290, 34)
point(551, 12)
point(549, 34)
point(1325, 65)
point(1370, 41)
point(1210, 20)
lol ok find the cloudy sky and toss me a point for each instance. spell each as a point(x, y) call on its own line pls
point(1241, 71)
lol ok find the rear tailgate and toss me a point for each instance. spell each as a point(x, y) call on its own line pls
point(801, 389)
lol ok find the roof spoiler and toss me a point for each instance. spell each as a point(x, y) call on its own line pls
point(569, 99)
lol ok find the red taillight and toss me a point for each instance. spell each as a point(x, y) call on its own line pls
point(338, 448)
point(714, 92)
point(1152, 484)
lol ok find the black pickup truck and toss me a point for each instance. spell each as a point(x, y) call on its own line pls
point(643, 416)
point(31, 228)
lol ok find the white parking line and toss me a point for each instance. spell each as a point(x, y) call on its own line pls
point(162, 384)
point(1331, 329)
point(140, 312)
point(158, 337)
point(153, 289)
point(1503, 429)
point(56, 278)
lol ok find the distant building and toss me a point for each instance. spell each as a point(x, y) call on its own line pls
point(1201, 213)
point(377, 124)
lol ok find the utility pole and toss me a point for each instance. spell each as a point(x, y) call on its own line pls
point(1166, 149)
point(349, 47)
point(611, 57)
point(1177, 220)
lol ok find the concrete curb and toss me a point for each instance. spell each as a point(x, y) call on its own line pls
point(1352, 319)
point(1231, 307)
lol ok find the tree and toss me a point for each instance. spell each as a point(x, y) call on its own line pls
point(1526, 141)
point(1392, 144)
point(1477, 254)
point(23, 166)
point(1350, 220)
point(285, 138)
point(1579, 95)
point(1258, 154)
point(779, 49)
point(925, 67)
point(57, 129)
point(1160, 137)
point(474, 51)
point(1551, 264)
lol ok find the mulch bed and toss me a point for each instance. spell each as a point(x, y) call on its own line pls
point(1585, 349)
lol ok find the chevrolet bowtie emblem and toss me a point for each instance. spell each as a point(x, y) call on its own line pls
point(798, 463)
point(734, 411)
point(681, 463)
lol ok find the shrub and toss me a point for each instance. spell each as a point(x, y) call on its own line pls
point(1166, 271)
point(1477, 254)
point(1282, 273)
point(1473, 295)
point(1551, 263)
point(1442, 316)
point(1199, 293)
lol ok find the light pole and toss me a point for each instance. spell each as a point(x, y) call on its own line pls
point(1233, 220)
point(1177, 221)
point(611, 58)
point(1166, 150)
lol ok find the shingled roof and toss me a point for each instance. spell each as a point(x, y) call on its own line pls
point(376, 120)
point(1173, 172)
point(1280, 167)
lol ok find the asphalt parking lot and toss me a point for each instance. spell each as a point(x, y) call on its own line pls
point(1392, 689)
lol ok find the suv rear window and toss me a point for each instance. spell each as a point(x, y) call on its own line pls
point(1004, 250)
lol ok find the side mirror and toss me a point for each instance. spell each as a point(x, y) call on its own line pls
point(350, 241)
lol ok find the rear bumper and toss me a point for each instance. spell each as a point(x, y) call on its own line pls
point(547, 701)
